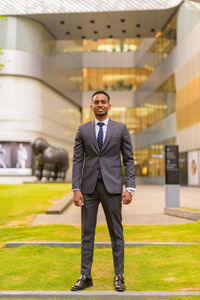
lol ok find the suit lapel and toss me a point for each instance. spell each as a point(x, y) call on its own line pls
point(108, 134)
point(93, 135)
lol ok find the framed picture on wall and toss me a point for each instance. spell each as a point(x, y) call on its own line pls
point(15, 158)
point(193, 168)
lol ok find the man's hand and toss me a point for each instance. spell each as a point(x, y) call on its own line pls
point(78, 198)
point(126, 197)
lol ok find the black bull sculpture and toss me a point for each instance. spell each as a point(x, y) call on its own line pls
point(52, 163)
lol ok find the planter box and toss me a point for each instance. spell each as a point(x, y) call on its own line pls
point(182, 213)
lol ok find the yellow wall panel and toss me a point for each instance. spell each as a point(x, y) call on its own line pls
point(188, 115)
point(188, 104)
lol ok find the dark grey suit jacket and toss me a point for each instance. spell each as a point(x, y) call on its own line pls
point(88, 159)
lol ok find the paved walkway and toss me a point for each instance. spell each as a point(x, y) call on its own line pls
point(146, 208)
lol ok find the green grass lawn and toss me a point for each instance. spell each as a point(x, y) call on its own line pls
point(166, 268)
point(20, 202)
point(192, 209)
point(155, 233)
point(45, 268)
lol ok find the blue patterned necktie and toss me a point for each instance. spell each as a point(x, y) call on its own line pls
point(100, 144)
point(100, 135)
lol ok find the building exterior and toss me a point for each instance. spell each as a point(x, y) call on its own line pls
point(145, 54)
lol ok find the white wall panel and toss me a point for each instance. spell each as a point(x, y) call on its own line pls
point(188, 71)
point(109, 60)
point(23, 63)
point(187, 17)
point(29, 109)
point(188, 138)
point(67, 60)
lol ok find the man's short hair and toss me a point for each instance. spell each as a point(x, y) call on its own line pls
point(101, 92)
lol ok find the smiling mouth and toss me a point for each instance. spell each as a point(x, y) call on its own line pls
point(101, 112)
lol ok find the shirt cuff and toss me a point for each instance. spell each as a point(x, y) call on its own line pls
point(130, 189)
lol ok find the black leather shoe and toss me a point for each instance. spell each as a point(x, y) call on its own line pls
point(82, 283)
point(119, 283)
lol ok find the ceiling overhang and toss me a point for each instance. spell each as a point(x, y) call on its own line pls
point(18, 7)
point(92, 19)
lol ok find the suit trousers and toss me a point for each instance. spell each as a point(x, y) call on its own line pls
point(112, 207)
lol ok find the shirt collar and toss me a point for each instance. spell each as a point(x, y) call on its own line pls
point(104, 121)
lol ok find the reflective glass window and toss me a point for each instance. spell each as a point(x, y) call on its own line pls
point(113, 79)
point(149, 161)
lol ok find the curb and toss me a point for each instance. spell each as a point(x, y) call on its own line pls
point(96, 294)
point(60, 205)
point(182, 213)
point(97, 244)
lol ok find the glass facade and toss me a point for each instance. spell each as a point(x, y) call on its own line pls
point(161, 103)
point(163, 45)
point(157, 106)
point(53, 47)
point(149, 161)
point(76, 77)
point(72, 79)
point(113, 79)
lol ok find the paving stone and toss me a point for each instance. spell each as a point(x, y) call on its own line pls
point(94, 295)
point(61, 205)
point(97, 244)
point(182, 213)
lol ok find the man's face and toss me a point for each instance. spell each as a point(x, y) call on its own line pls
point(100, 105)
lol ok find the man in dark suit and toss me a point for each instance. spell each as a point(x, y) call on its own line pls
point(97, 177)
